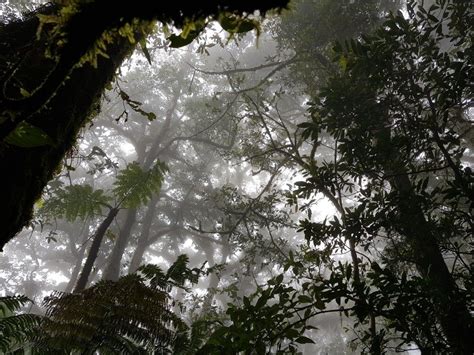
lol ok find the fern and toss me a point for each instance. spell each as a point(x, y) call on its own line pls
point(9, 304)
point(125, 316)
point(132, 188)
point(15, 329)
point(130, 316)
point(135, 187)
point(76, 202)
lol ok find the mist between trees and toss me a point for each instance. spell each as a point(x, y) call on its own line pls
point(297, 183)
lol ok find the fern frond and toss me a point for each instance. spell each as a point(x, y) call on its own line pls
point(135, 187)
point(15, 330)
point(154, 274)
point(76, 202)
point(10, 304)
point(130, 316)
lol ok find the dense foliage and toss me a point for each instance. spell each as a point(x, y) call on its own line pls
point(321, 168)
point(395, 118)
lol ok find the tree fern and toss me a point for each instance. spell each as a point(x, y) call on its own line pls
point(130, 316)
point(135, 186)
point(132, 188)
point(76, 202)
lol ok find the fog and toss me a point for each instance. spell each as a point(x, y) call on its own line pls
point(200, 150)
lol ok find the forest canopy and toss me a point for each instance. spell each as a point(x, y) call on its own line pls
point(221, 178)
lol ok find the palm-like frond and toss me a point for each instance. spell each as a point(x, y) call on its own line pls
point(76, 201)
point(135, 186)
point(15, 329)
point(130, 316)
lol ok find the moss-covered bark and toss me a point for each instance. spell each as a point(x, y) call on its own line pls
point(25, 171)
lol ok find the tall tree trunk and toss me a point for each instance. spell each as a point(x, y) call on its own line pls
point(94, 250)
point(138, 255)
point(75, 271)
point(453, 314)
point(142, 242)
point(27, 170)
point(77, 253)
point(213, 281)
point(112, 271)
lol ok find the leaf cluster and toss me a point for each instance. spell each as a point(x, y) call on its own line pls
point(15, 328)
point(76, 202)
point(134, 186)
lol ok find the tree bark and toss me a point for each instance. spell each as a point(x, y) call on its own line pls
point(137, 257)
point(94, 250)
point(112, 271)
point(27, 170)
point(454, 316)
point(75, 271)
point(77, 253)
point(213, 278)
point(142, 242)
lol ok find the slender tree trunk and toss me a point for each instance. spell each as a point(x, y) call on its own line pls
point(78, 254)
point(213, 278)
point(138, 256)
point(94, 250)
point(142, 242)
point(112, 271)
point(75, 271)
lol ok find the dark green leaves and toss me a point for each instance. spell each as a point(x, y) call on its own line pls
point(16, 329)
point(132, 188)
point(136, 105)
point(177, 275)
point(396, 177)
point(234, 24)
point(130, 316)
point(304, 340)
point(10, 304)
point(190, 32)
point(229, 22)
point(26, 135)
point(145, 51)
point(177, 41)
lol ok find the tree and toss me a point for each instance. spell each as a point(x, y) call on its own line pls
point(406, 127)
point(345, 164)
point(132, 188)
point(52, 84)
point(396, 120)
